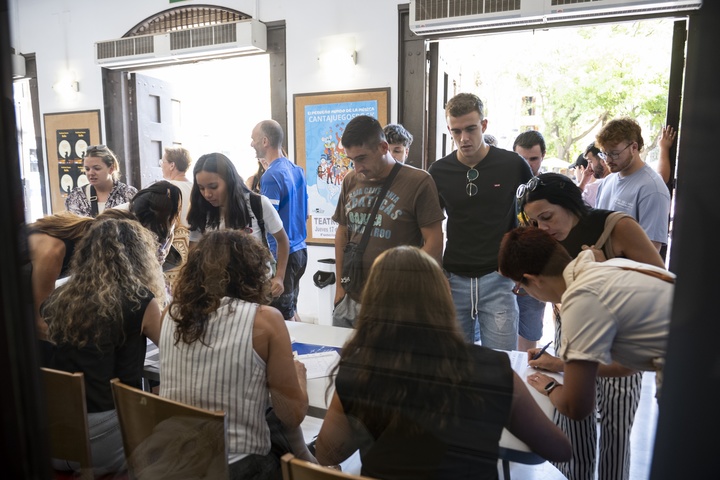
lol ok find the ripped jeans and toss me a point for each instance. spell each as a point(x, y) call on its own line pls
point(486, 305)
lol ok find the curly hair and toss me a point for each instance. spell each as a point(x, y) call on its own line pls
point(224, 263)
point(114, 266)
point(620, 130)
point(406, 325)
point(202, 215)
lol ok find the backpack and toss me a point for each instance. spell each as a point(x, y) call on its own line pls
point(256, 206)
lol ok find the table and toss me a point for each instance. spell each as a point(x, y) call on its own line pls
point(319, 396)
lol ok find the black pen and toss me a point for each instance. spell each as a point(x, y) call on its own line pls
point(539, 354)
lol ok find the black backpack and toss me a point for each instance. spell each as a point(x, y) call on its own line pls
point(256, 206)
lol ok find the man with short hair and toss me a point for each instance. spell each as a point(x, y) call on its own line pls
point(408, 214)
point(284, 184)
point(399, 140)
point(477, 185)
point(633, 186)
point(531, 146)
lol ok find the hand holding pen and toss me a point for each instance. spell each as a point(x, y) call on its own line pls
point(539, 353)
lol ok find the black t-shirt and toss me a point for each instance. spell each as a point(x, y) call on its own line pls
point(460, 444)
point(476, 225)
point(123, 358)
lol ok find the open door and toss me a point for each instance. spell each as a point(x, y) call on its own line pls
point(154, 123)
point(142, 117)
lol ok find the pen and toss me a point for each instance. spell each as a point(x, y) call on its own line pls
point(539, 354)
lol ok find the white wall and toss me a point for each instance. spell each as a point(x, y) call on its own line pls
point(62, 34)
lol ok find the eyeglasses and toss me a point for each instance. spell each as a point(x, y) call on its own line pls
point(471, 189)
point(528, 187)
point(519, 290)
point(95, 148)
point(616, 155)
point(160, 162)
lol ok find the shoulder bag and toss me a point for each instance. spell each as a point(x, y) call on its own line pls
point(353, 275)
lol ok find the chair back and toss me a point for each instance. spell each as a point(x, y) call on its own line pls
point(66, 409)
point(167, 439)
point(296, 469)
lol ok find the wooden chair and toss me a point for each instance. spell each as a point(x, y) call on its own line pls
point(167, 439)
point(67, 418)
point(296, 469)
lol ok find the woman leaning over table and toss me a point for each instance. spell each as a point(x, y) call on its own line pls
point(554, 203)
point(220, 199)
point(104, 189)
point(416, 399)
point(99, 320)
point(223, 348)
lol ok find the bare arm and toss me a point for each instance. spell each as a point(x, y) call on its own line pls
point(433, 240)
point(286, 377)
point(551, 363)
point(340, 242)
point(46, 255)
point(337, 439)
point(152, 321)
point(530, 424)
point(667, 138)
point(575, 398)
point(630, 241)
point(283, 252)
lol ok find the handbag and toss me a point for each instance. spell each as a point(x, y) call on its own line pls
point(353, 274)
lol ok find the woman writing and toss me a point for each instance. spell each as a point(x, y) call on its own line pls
point(223, 348)
point(416, 399)
point(99, 320)
point(553, 203)
point(104, 189)
point(220, 199)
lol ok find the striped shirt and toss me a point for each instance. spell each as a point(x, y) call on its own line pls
point(223, 373)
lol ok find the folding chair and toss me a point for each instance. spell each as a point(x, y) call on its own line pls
point(296, 469)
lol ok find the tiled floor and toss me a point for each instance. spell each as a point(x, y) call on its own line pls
point(642, 438)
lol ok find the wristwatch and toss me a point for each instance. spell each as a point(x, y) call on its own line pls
point(550, 387)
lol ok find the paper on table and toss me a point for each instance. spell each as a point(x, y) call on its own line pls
point(319, 365)
point(519, 363)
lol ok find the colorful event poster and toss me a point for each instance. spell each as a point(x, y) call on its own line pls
point(326, 161)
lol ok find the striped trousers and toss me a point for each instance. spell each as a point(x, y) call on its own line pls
point(617, 400)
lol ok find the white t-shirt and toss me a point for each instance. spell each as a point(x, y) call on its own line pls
point(273, 224)
point(185, 188)
point(611, 314)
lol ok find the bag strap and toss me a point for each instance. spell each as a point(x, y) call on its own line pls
point(371, 219)
point(256, 207)
point(92, 200)
point(653, 273)
point(610, 223)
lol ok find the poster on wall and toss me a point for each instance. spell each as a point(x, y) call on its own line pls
point(71, 145)
point(320, 120)
point(67, 137)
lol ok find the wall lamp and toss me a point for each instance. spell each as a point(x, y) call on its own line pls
point(337, 51)
point(66, 85)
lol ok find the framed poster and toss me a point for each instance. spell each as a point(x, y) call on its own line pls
point(320, 120)
point(67, 136)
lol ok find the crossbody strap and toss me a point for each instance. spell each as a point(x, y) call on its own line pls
point(653, 273)
point(371, 219)
point(92, 200)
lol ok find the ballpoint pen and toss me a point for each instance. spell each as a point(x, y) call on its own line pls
point(539, 354)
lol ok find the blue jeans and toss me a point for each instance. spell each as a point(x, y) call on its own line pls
point(287, 302)
point(532, 313)
point(486, 302)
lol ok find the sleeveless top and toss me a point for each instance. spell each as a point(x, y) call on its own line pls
point(115, 356)
point(462, 444)
point(222, 374)
point(586, 232)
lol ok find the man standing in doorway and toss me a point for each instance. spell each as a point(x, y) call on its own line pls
point(531, 146)
point(283, 183)
point(409, 213)
point(633, 186)
point(477, 185)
